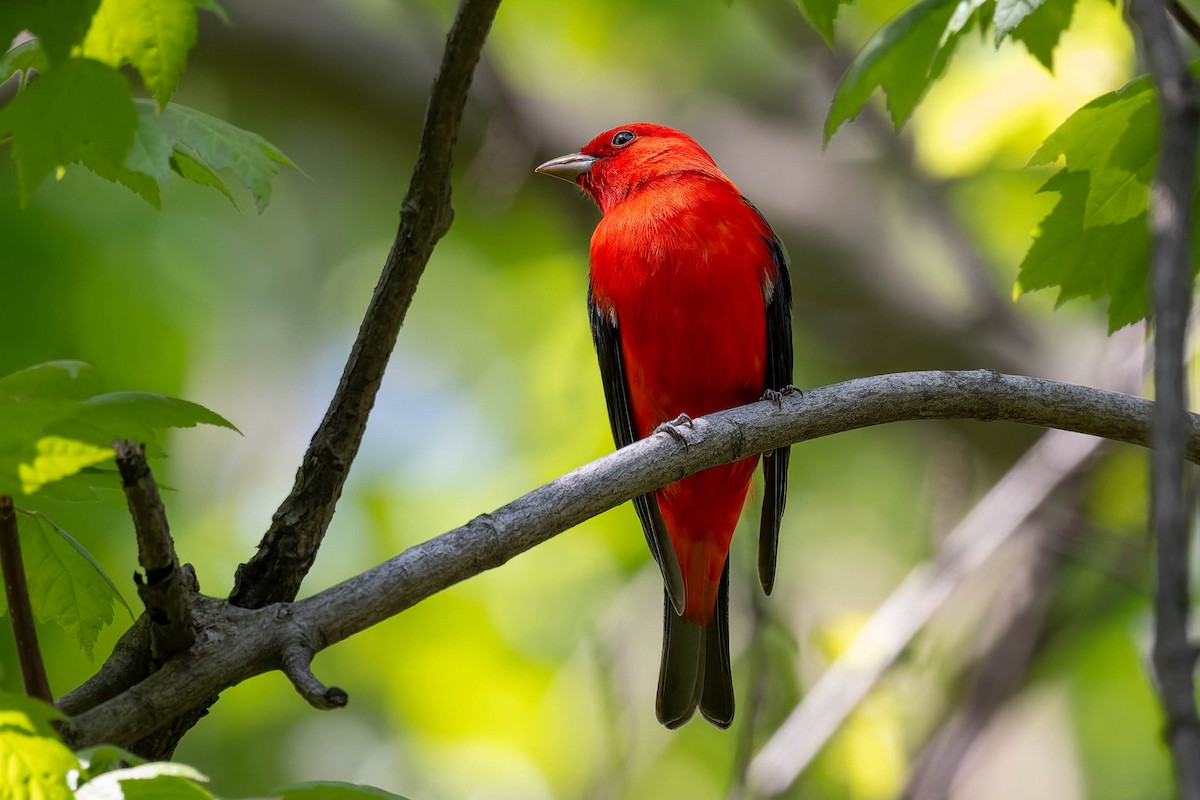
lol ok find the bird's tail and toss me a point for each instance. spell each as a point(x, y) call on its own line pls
point(695, 670)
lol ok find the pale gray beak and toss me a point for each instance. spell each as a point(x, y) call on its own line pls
point(569, 168)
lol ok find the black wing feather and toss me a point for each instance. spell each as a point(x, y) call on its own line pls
point(779, 376)
point(606, 335)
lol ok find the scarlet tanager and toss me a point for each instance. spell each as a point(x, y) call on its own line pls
point(690, 304)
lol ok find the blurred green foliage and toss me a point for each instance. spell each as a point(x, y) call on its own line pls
point(536, 680)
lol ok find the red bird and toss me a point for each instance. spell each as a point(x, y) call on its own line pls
point(690, 304)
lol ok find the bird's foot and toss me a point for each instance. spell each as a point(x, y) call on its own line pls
point(776, 395)
point(672, 429)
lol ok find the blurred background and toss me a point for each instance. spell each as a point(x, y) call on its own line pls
point(537, 680)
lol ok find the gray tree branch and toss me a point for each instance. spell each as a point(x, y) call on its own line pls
point(1171, 201)
point(237, 643)
point(289, 546)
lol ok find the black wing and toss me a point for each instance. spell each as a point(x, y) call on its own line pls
point(779, 375)
point(607, 338)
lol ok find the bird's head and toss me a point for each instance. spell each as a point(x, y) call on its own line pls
point(619, 162)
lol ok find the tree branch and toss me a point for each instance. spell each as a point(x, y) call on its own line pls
point(128, 664)
point(288, 548)
point(163, 590)
point(237, 643)
point(1171, 200)
point(29, 655)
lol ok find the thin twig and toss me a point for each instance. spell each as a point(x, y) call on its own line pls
point(29, 655)
point(288, 548)
point(163, 590)
point(241, 643)
point(1171, 199)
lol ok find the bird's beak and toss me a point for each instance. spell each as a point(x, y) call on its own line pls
point(569, 168)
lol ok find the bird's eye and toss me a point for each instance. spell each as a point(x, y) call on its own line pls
point(622, 138)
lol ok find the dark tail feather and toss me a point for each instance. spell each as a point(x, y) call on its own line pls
point(695, 670)
point(717, 702)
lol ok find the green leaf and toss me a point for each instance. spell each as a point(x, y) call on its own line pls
point(59, 24)
point(33, 398)
point(30, 714)
point(152, 35)
point(79, 111)
point(65, 399)
point(903, 58)
point(22, 58)
point(192, 170)
point(822, 14)
point(152, 147)
point(213, 7)
point(1103, 261)
point(105, 758)
point(217, 145)
point(66, 585)
point(135, 415)
point(1008, 14)
point(333, 790)
point(1114, 139)
point(33, 762)
point(1041, 30)
point(157, 780)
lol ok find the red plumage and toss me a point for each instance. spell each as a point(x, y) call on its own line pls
point(690, 306)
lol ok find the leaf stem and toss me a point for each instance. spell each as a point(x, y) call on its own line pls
point(29, 655)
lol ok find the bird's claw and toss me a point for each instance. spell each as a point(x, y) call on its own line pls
point(672, 429)
point(776, 395)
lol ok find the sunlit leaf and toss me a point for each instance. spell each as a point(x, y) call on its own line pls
point(58, 458)
point(33, 762)
point(152, 35)
point(333, 790)
point(157, 780)
point(80, 111)
point(66, 585)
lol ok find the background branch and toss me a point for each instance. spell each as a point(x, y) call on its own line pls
point(288, 548)
point(241, 643)
point(996, 517)
point(1171, 201)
